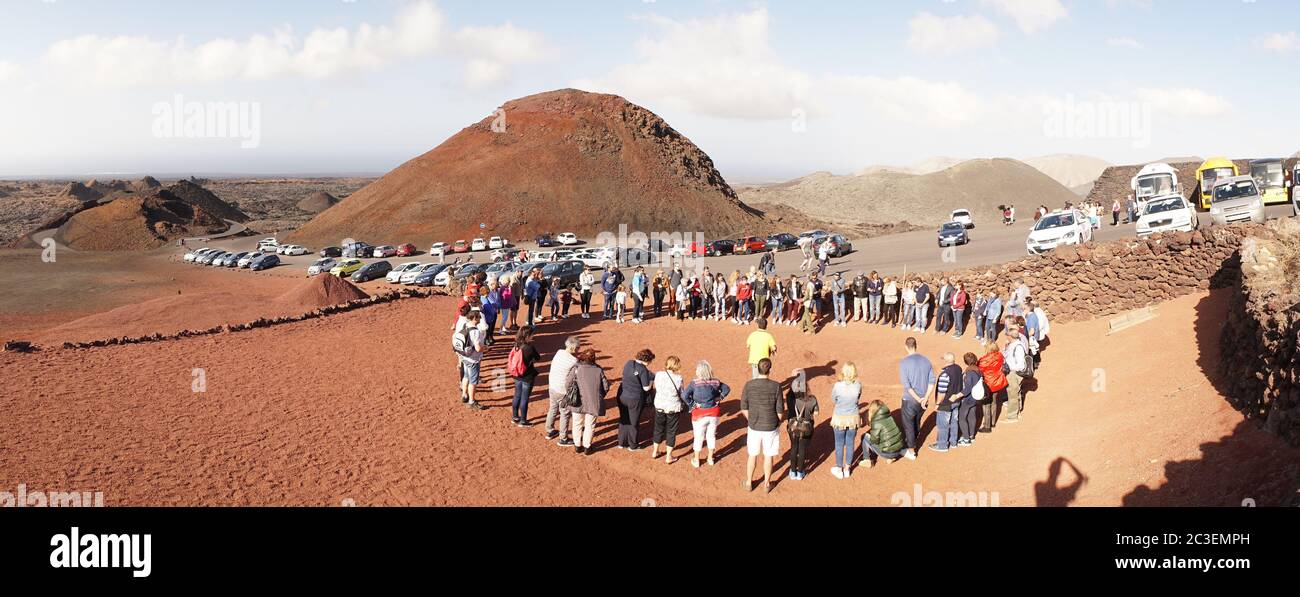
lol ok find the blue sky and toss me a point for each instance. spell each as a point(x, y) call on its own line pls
point(771, 90)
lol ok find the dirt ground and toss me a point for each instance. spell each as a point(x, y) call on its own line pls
point(361, 408)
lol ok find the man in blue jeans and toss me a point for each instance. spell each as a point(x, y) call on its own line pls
point(922, 307)
point(609, 283)
point(949, 384)
point(992, 312)
point(917, 376)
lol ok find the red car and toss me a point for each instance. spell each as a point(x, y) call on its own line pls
point(460, 247)
point(751, 244)
point(406, 250)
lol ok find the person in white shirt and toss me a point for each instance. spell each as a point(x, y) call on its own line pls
point(557, 410)
point(1016, 355)
point(668, 408)
point(585, 282)
point(470, 353)
point(620, 299)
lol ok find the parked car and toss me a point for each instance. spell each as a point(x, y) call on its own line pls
point(321, 266)
point(783, 241)
point(439, 249)
point(1167, 213)
point(346, 268)
point(546, 240)
point(410, 277)
point(464, 268)
point(293, 250)
point(1059, 228)
point(840, 246)
point(266, 261)
point(233, 261)
point(428, 276)
point(963, 216)
point(358, 249)
point(194, 254)
point(504, 254)
point(720, 247)
point(1236, 199)
point(478, 244)
point(751, 244)
point(247, 260)
point(268, 245)
point(567, 238)
point(460, 247)
point(814, 234)
point(372, 271)
point(220, 259)
point(406, 250)
point(568, 271)
point(384, 251)
point(497, 242)
point(395, 274)
point(953, 234)
point(331, 252)
point(495, 270)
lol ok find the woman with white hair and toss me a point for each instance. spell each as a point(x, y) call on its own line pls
point(704, 397)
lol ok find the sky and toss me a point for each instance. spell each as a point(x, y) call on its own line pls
point(771, 90)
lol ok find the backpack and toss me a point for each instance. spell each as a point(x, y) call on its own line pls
point(461, 343)
point(799, 427)
point(1029, 362)
point(515, 366)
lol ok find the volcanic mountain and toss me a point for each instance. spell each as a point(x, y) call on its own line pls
point(148, 219)
point(317, 202)
point(561, 161)
point(928, 199)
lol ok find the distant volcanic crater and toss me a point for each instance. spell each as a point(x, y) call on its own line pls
point(561, 161)
point(143, 216)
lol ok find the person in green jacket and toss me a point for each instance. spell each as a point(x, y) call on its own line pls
point(883, 437)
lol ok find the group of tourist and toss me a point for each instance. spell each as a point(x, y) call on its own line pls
point(964, 391)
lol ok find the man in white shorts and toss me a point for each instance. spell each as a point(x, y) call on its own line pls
point(760, 402)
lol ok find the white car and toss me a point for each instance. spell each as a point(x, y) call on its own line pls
point(438, 249)
point(1057, 229)
point(320, 266)
point(395, 275)
point(556, 255)
point(497, 242)
point(595, 258)
point(409, 277)
point(195, 254)
point(478, 244)
point(247, 260)
point(268, 245)
point(1167, 213)
point(567, 238)
point(678, 251)
point(292, 250)
point(963, 216)
point(1236, 199)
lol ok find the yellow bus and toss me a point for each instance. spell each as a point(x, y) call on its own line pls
point(1271, 178)
point(1212, 170)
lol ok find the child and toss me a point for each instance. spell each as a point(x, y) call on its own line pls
point(719, 297)
point(681, 296)
point(620, 299)
point(566, 299)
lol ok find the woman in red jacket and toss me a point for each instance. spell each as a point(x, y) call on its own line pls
point(991, 368)
point(959, 300)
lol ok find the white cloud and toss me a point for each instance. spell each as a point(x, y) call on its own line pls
point(720, 67)
point(950, 35)
point(8, 71)
point(1031, 16)
point(418, 29)
point(1280, 42)
point(1184, 102)
point(907, 100)
point(1124, 42)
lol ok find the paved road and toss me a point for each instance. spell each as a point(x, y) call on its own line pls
point(890, 255)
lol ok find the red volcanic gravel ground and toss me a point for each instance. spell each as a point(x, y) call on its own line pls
point(362, 406)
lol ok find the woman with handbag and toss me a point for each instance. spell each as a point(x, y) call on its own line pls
point(668, 408)
point(845, 419)
point(801, 416)
point(703, 397)
point(587, 386)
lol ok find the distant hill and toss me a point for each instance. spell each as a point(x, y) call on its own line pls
point(1070, 170)
point(928, 199)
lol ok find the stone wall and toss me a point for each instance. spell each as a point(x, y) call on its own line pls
point(1101, 279)
point(1262, 329)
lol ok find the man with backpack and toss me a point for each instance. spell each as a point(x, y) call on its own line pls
point(1018, 367)
point(760, 403)
point(467, 343)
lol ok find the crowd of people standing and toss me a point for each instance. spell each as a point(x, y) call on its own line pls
point(969, 393)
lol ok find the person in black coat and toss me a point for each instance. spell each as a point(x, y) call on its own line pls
point(633, 393)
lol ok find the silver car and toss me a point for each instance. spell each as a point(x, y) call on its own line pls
point(1236, 199)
